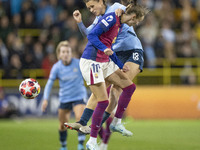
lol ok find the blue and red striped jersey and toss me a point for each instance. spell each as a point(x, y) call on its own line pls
point(101, 37)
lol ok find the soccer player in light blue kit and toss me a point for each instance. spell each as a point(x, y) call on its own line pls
point(72, 91)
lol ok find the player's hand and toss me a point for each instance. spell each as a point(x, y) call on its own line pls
point(119, 12)
point(44, 105)
point(77, 16)
point(125, 68)
point(108, 51)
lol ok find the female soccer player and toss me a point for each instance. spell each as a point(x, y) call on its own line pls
point(72, 91)
point(95, 67)
point(127, 47)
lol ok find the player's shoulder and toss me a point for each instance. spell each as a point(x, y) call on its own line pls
point(116, 4)
point(55, 67)
point(109, 16)
point(108, 19)
point(76, 60)
point(57, 64)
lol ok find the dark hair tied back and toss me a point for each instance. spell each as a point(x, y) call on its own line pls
point(134, 2)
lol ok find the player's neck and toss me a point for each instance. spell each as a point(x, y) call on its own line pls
point(104, 10)
point(66, 62)
point(123, 18)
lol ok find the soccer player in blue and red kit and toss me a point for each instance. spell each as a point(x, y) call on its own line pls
point(96, 67)
point(72, 91)
point(128, 49)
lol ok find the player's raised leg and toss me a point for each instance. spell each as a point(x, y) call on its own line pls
point(86, 115)
point(128, 89)
point(81, 125)
point(116, 125)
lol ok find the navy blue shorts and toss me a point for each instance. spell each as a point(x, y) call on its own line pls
point(70, 105)
point(135, 56)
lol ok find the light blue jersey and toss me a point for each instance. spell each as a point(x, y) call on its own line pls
point(70, 81)
point(127, 38)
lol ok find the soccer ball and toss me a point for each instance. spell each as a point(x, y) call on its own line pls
point(29, 88)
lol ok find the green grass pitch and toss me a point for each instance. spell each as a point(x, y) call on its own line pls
point(42, 134)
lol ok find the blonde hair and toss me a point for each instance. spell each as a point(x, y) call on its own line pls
point(62, 43)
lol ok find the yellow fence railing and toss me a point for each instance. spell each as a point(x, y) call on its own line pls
point(170, 73)
point(29, 32)
point(166, 73)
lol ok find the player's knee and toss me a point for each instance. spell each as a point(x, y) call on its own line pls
point(61, 126)
point(116, 89)
point(113, 104)
point(132, 87)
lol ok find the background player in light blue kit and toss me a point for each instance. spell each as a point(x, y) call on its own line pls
point(72, 91)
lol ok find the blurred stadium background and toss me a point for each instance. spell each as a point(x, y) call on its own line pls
point(165, 110)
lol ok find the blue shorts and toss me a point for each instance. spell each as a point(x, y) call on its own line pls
point(70, 105)
point(135, 56)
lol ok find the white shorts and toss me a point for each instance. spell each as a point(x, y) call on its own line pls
point(95, 72)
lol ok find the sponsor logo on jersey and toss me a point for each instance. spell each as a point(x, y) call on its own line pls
point(109, 18)
point(105, 22)
point(75, 70)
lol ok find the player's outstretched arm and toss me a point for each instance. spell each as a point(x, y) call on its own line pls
point(44, 105)
point(77, 16)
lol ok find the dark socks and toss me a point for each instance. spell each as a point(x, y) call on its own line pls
point(106, 115)
point(63, 137)
point(87, 114)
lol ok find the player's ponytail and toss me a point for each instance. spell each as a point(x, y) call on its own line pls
point(134, 2)
point(127, 2)
point(139, 10)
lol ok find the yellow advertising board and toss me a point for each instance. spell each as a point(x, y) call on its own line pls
point(161, 102)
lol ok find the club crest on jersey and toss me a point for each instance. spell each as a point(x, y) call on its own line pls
point(75, 70)
point(96, 75)
point(109, 18)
